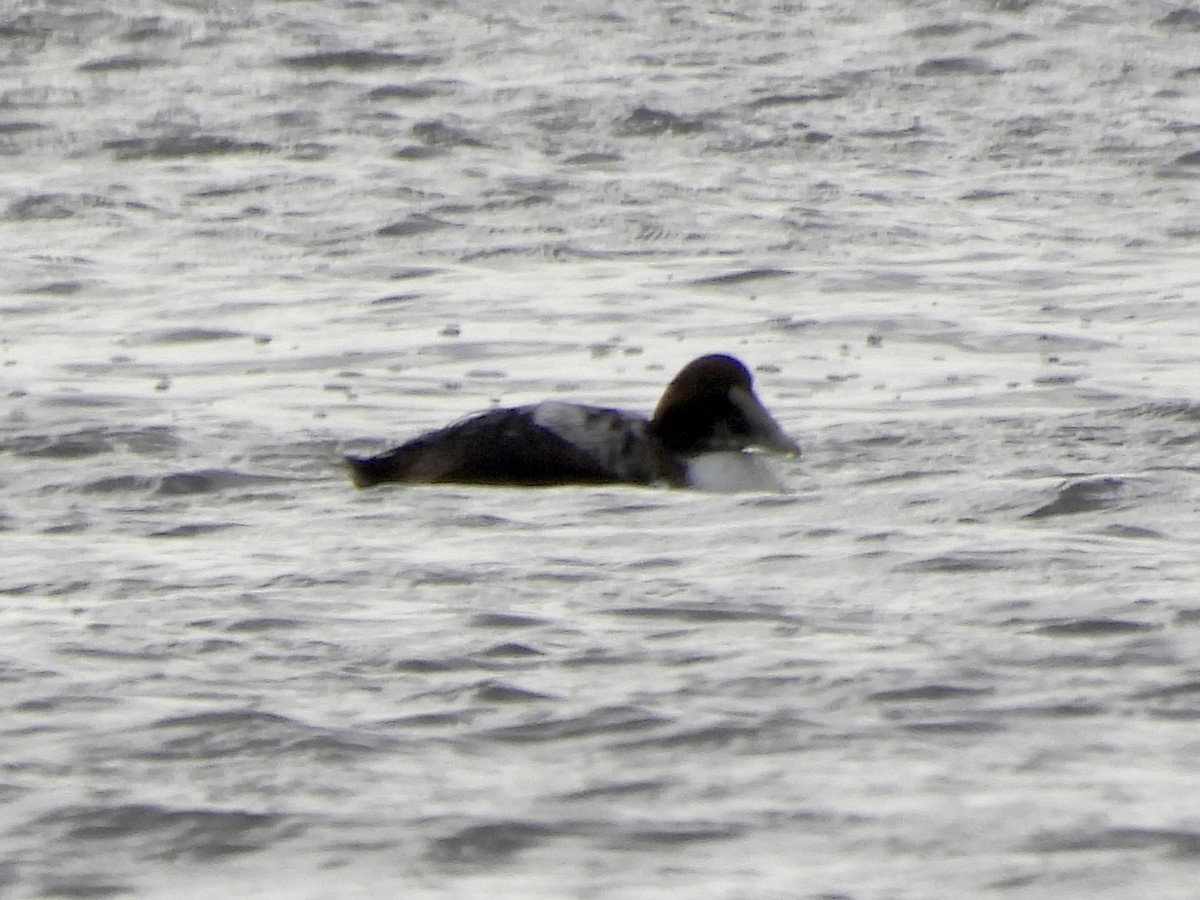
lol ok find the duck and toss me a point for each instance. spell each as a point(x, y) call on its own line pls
point(702, 434)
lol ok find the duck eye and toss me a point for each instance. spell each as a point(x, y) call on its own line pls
point(739, 424)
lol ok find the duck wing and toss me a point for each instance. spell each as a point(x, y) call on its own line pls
point(499, 447)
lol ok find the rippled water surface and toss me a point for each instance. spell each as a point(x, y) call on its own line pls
point(957, 243)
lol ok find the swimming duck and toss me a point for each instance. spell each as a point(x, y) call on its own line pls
point(706, 420)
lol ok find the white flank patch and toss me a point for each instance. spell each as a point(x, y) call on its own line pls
point(731, 472)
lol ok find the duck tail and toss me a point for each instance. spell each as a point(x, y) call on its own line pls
point(366, 471)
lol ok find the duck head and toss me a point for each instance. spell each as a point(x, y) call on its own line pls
point(711, 406)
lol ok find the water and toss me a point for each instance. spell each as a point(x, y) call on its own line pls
point(956, 241)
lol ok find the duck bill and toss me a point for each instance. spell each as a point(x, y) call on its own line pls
point(765, 432)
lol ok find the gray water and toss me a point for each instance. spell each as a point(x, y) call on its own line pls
point(957, 243)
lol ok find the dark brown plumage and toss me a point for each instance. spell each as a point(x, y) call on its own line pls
point(709, 406)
